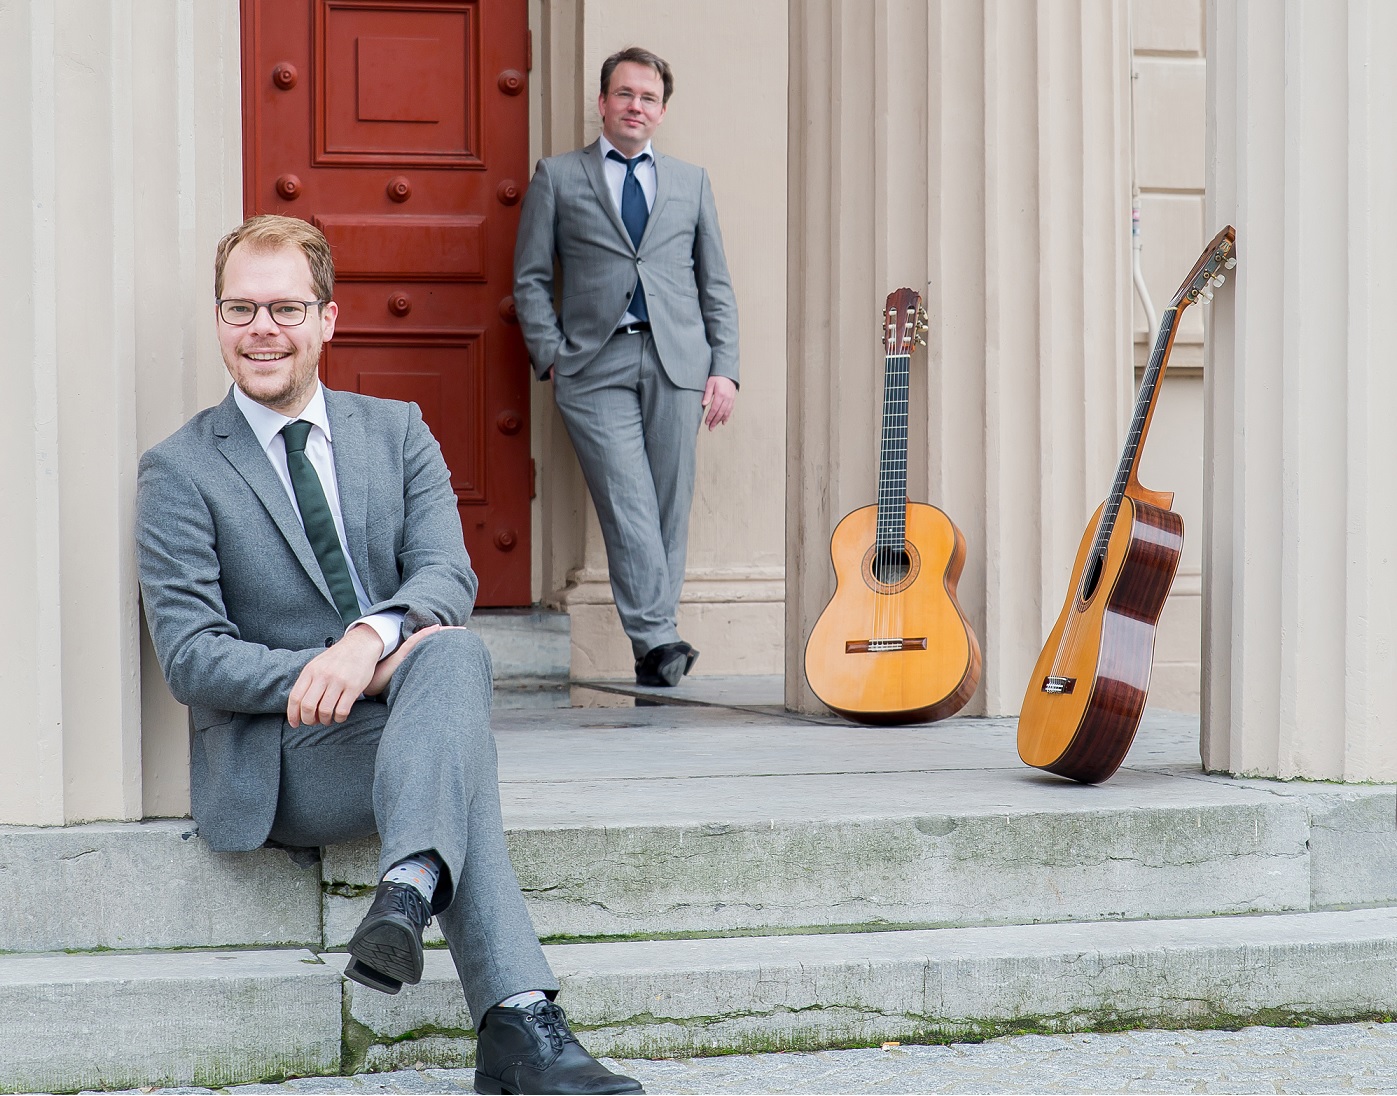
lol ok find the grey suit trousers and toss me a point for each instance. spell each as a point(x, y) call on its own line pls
point(420, 770)
point(635, 435)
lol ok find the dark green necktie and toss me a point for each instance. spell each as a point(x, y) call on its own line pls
point(318, 521)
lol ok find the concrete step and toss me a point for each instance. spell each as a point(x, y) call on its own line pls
point(218, 1017)
point(206, 1018)
point(529, 648)
point(663, 821)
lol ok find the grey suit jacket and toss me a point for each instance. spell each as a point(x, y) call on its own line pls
point(568, 214)
point(235, 599)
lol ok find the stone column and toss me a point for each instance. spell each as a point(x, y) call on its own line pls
point(978, 154)
point(1300, 578)
point(104, 231)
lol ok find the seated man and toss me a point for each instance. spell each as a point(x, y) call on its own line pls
point(305, 583)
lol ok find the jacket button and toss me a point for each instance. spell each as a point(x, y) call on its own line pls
point(329, 641)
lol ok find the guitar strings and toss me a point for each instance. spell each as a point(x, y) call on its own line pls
point(1105, 526)
point(890, 550)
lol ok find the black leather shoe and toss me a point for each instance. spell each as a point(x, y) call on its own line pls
point(690, 657)
point(663, 665)
point(528, 1050)
point(367, 976)
point(389, 939)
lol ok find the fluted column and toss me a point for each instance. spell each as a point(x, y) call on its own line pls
point(105, 235)
point(1300, 578)
point(977, 153)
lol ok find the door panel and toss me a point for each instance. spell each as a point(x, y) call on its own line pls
point(399, 128)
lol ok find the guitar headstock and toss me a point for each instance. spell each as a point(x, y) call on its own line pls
point(904, 323)
point(1207, 274)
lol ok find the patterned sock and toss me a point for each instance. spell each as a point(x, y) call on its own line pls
point(523, 1000)
point(421, 870)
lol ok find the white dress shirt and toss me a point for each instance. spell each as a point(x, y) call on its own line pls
point(267, 425)
point(615, 180)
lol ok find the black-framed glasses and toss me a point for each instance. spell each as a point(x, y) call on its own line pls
point(237, 312)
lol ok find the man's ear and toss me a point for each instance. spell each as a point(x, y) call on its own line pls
point(327, 320)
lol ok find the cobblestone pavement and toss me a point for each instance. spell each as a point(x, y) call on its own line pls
point(1357, 1058)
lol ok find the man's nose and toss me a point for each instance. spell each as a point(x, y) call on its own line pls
point(262, 322)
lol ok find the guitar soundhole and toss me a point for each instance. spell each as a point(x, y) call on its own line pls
point(888, 571)
point(890, 568)
point(1091, 578)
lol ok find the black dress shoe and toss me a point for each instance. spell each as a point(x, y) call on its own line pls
point(528, 1050)
point(389, 939)
point(367, 976)
point(663, 666)
point(690, 657)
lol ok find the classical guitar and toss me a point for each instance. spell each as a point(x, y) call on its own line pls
point(892, 645)
point(1087, 693)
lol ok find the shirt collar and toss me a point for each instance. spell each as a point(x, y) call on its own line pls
point(607, 146)
point(267, 424)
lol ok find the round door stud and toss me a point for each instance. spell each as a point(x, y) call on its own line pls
point(509, 422)
point(285, 75)
point(399, 188)
point(400, 304)
point(508, 312)
point(508, 192)
point(289, 187)
point(511, 81)
point(506, 539)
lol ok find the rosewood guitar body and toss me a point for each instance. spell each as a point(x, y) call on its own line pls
point(1084, 732)
point(936, 667)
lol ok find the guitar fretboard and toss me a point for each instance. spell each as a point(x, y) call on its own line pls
point(892, 459)
point(1129, 457)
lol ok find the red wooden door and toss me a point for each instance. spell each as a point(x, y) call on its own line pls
point(400, 129)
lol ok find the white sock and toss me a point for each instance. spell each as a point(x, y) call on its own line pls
point(421, 871)
point(523, 1000)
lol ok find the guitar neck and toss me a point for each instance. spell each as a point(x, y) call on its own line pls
point(892, 457)
point(1139, 425)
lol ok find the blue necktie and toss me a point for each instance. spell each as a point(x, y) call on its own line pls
point(634, 214)
point(318, 521)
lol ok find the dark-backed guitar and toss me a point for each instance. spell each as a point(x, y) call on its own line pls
point(1087, 693)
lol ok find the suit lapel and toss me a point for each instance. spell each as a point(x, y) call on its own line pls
point(351, 474)
point(662, 188)
point(239, 446)
point(596, 175)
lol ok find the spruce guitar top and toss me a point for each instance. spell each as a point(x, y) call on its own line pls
point(1087, 693)
point(892, 645)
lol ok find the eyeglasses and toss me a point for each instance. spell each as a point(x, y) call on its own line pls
point(239, 313)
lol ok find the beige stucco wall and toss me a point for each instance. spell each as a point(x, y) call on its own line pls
point(728, 115)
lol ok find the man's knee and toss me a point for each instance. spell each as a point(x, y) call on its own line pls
point(452, 655)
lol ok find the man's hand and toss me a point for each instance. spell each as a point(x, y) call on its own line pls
point(718, 396)
point(331, 682)
point(383, 672)
point(547, 374)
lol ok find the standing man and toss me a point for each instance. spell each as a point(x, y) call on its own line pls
point(305, 583)
point(645, 341)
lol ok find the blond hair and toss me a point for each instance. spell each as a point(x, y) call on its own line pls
point(270, 232)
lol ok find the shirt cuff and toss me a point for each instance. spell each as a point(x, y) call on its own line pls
point(389, 626)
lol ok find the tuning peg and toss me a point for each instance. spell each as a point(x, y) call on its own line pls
point(921, 341)
point(1231, 262)
point(1218, 279)
point(1206, 293)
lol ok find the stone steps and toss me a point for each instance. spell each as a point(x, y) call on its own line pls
point(654, 830)
point(218, 1017)
point(748, 880)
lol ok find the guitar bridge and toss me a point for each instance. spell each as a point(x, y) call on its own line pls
point(873, 646)
point(1060, 685)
